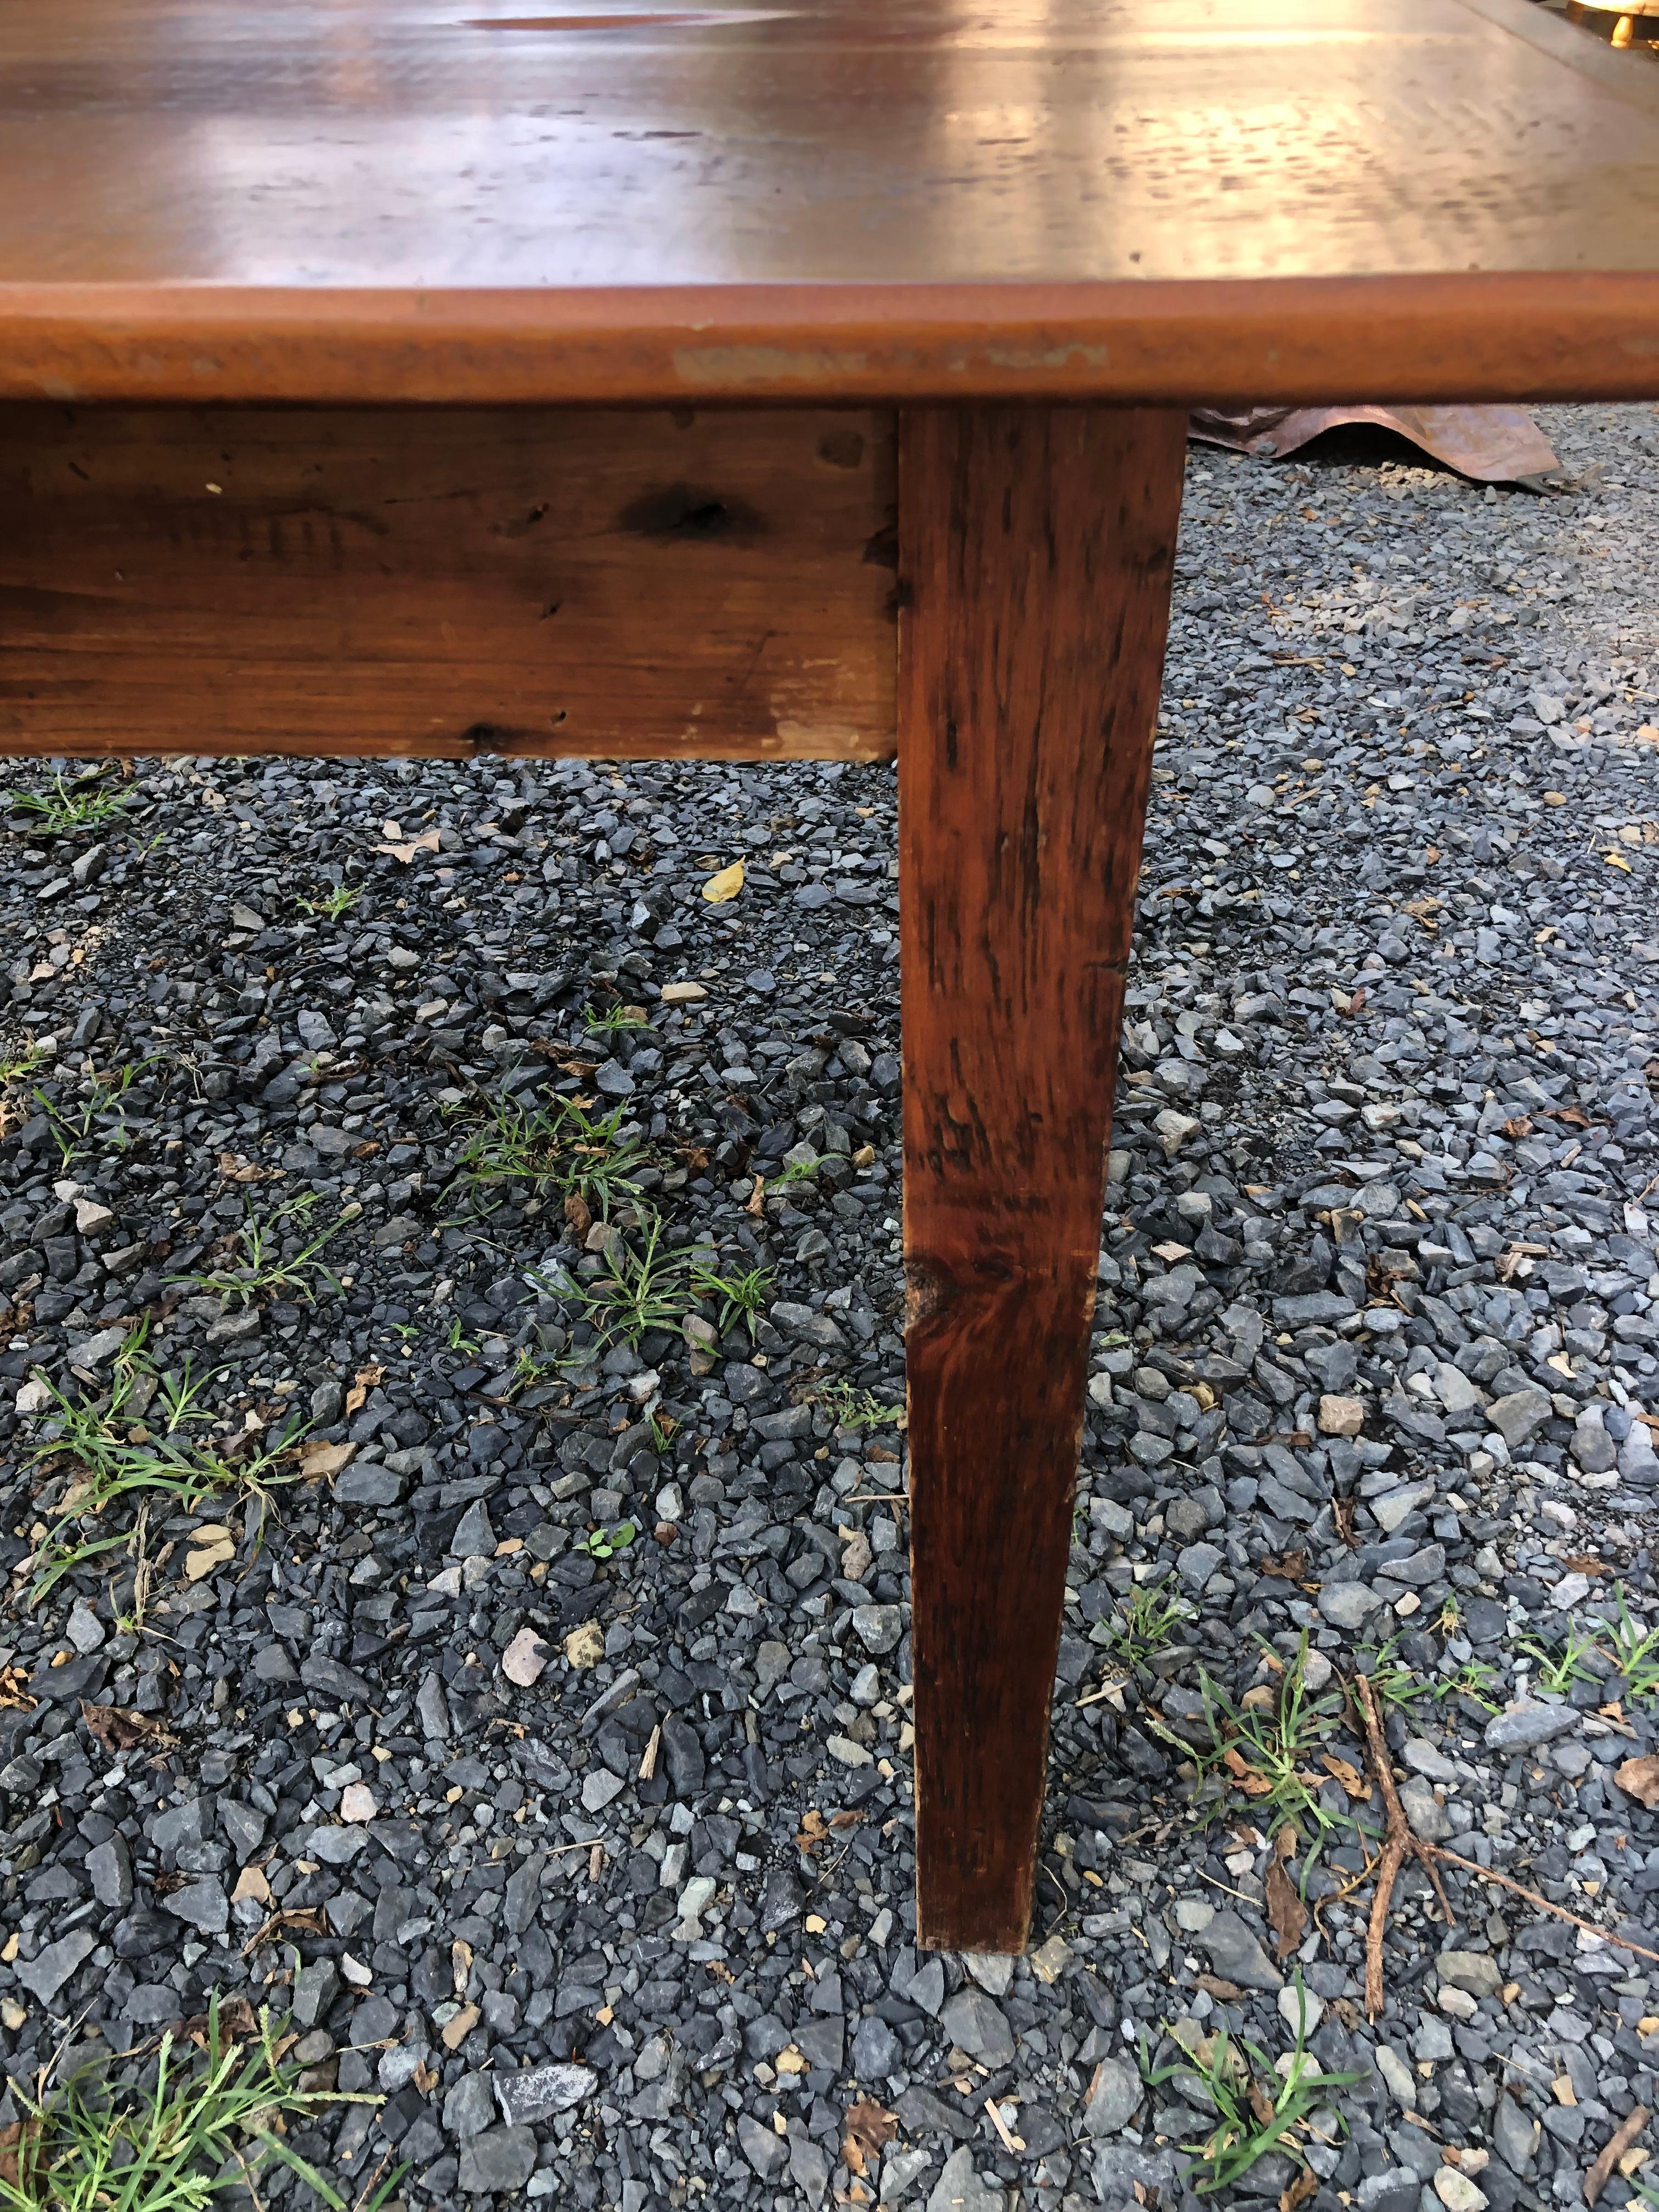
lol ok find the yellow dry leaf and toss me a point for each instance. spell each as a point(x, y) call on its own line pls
point(1616, 860)
point(725, 885)
point(426, 842)
point(213, 1548)
point(319, 1459)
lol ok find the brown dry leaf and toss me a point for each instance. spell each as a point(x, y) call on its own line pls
point(814, 1830)
point(318, 1459)
point(355, 1399)
point(235, 1169)
point(311, 1917)
point(1286, 1909)
point(1305, 2185)
point(369, 1375)
point(405, 851)
point(756, 1200)
point(1575, 1117)
point(845, 1819)
point(458, 2029)
point(119, 1729)
point(868, 2131)
point(1289, 1566)
point(1216, 1986)
point(1518, 1125)
point(18, 2145)
point(1349, 1775)
point(1582, 1563)
point(236, 2025)
point(1639, 1778)
point(578, 1213)
point(1252, 1784)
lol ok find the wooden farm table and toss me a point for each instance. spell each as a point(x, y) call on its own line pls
point(792, 381)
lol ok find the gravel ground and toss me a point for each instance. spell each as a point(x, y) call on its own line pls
point(598, 1866)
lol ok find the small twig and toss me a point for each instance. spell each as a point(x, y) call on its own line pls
point(1601, 2172)
point(1012, 2143)
point(247, 2180)
point(1217, 1882)
point(1393, 1858)
point(363, 2194)
point(1519, 1889)
point(1426, 1856)
point(1401, 1841)
point(1400, 1844)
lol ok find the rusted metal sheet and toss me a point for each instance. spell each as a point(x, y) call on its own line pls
point(1496, 445)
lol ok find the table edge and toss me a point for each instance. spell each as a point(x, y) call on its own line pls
point(1517, 336)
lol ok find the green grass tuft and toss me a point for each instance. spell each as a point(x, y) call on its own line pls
point(178, 2142)
point(1261, 2104)
point(556, 1142)
point(73, 805)
point(278, 1258)
point(133, 1446)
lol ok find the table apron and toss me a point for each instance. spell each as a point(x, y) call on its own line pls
point(662, 583)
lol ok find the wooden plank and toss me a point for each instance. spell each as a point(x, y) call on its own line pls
point(1562, 334)
point(447, 581)
point(335, 200)
point(1036, 548)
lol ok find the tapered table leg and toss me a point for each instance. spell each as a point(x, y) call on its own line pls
point(1035, 551)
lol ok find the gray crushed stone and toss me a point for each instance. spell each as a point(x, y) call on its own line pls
point(1374, 1381)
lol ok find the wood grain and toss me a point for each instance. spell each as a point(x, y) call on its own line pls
point(829, 199)
point(1036, 548)
point(447, 581)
